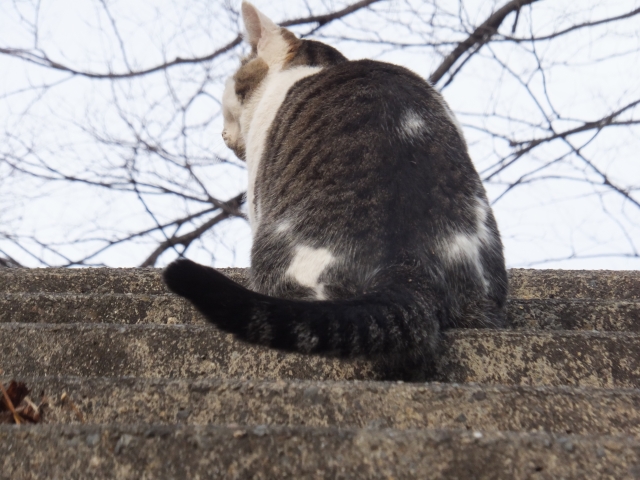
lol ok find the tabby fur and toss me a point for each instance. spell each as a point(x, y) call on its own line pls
point(372, 232)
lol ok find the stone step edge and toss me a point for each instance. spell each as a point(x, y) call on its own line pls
point(370, 384)
point(597, 359)
point(278, 452)
point(457, 332)
point(527, 283)
point(359, 404)
point(130, 309)
point(173, 296)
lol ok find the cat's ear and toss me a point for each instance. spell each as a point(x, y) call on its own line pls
point(259, 27)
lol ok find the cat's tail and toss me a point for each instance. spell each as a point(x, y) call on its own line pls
point(398, 318)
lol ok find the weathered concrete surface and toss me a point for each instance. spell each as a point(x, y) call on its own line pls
point(193, 376)
point(151, 351)
point(345, 404)
point(97, 308)
point(560, 314)
point(586, 284)
point(590, 359)
point(171, 351)
point(125, 452)
point(92, 280)
point(527, 284)
point(547, 314)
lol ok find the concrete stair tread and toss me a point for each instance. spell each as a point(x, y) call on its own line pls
point(92, 280)
point(165, 395)
point(575, 314)
point(356, 404)
point(587, 284)
point(598, 359)
point(150, 350)
point(117, 308)
point(137, 451)
point(551, 314)
point(523, 283)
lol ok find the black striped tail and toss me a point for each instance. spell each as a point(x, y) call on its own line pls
point(394, 320)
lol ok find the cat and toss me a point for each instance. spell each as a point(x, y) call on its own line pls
point(372, 232)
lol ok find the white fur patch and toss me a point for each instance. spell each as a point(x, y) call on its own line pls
point(259, 26)
point(272, 47)
point(412, 125)
point(464, 247)
point(258, 119)
point(283, 226)
point(307, 266)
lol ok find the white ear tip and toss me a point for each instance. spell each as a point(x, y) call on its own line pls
point(248, 10)
point(257, 25)
point(250, 13)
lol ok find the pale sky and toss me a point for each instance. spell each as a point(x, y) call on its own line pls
point(590, 73)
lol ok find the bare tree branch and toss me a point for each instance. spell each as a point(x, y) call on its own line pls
point(43, 60)
point(39, 57)
point(186, 239)
point(143, 150)
point(479, 37)
point(529, 145)
point(574, 28)
point(8, 262)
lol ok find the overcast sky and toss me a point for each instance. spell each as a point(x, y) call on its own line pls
point(590, 73)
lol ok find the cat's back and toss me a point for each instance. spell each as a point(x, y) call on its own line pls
point(368, 79)
point(364, 157)
point(364, 95)
point(370, 139)
point(363, 107)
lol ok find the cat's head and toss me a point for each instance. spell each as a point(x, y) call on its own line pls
point(273, 49)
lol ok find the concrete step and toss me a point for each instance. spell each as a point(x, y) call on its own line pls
point(588, 359)
point(601, 359)
point(547, 314)
point(141, 451)
point(569, 410)
point(584, 284)
point(575, 314)
point(92, 280)
point(526, 284)
point(152, 351)
point(96, 308)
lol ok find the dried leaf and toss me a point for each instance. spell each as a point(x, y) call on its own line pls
point(29, 410)
point(8, 402)
point(16, 406)
point(17, 391)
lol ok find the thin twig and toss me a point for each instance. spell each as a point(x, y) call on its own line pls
point(39, 57)
point(9, 404)
point(480, 36)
